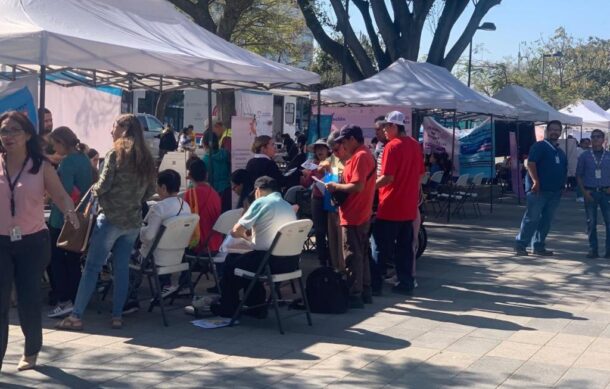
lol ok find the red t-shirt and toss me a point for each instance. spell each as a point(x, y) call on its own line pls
point(358, 207)
point(403, 160)
point(208, 203)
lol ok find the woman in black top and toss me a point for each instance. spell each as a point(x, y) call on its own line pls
point(262, 164)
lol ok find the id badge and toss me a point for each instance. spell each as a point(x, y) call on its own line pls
point(598, 174)
point(557, 159)
point(15, 234)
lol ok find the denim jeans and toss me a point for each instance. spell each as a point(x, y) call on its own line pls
point(599, 199)
point(106, 238)
point(537, 219)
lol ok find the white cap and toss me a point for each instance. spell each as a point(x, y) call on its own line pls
point(395, 117)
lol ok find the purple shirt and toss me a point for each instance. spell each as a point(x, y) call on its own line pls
point(588, 163)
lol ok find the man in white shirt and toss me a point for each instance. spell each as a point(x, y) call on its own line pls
point(264, 217)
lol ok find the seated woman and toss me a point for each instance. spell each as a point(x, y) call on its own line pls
point(242, 185)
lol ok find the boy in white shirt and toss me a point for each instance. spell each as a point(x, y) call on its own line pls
point(169, 205)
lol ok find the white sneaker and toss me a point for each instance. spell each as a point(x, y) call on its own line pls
point(580, 199)
point(201, 304)
point(61, 310)
point(168, 290)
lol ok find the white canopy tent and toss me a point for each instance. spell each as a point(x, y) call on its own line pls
point(593, 116)
point(531, 107)
point(131, 44)
point(418, 85)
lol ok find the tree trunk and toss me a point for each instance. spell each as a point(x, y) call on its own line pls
point(162, 101)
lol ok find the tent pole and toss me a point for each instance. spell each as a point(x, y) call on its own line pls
point(452, 168)
point(493, 164)
point(209, 133)
point(518, 189)
point(581, 132)
point(319, 111)
point(41, 98)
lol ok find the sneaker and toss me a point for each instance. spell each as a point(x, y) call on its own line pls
point(592, 254)
point(521, 251)
point(61, 310)
point(580, 199)
point(544, 253)
point(391, 280)
point(131, 307)
point(204, 302)
point(168, 290)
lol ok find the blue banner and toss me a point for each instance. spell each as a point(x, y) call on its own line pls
point(325, 123)
point(476, 151)
point(21, 101)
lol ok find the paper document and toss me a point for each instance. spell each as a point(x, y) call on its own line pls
point(319, 184)
point(289, 172)
point(212, 323)
point(309, 165)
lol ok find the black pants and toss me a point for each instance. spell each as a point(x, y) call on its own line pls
point(320, 225)
point(394, 239)
point(231, 284)
point(65, 269)
point(356, 253)
point(23, 263)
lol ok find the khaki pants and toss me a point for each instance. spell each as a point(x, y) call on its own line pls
point(356, 254)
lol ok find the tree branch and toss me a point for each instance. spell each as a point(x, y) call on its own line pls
point(383, 60)
point(451, 12)
point(231, 14)
point(386, 27)
point(353, 42)
point(328, 45)
point(199, 12)
point(480, 10)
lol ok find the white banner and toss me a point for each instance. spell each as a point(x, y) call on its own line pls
point(437, 136)
point(259, 107)
point(196, 109)
point(88, 112)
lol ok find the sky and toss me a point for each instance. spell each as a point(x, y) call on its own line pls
point(523, 21)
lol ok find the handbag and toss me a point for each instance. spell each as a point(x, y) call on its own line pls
point(76, 240)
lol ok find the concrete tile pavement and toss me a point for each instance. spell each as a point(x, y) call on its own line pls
point(481, 318)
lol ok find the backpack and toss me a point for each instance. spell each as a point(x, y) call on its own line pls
point(327, 291)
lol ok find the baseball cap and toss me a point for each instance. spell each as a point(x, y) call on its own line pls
point(348, 131)
point(395, 117)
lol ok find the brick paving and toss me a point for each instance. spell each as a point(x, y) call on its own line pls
point(481, 318)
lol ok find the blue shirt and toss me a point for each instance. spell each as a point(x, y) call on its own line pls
point(587, 164)
point(264, 217)
point(551, 166)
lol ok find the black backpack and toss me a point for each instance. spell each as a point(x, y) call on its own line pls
point(327, 291)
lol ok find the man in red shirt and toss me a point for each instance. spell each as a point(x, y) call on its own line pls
point(355, 212)
point(401, 169)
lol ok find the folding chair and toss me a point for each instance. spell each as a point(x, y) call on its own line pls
point(457, 195)
point(166, 254)
point(287, 242)
point(291, 194)
point(473, 195)
point(223, 225)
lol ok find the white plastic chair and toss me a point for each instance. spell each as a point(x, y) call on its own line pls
point(288, 242)
point(166, 254)
point(223, 225)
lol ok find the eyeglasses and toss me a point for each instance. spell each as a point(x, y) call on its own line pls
point(10, 132)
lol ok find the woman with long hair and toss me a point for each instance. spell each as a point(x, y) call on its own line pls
point(127, 180)
point(25, 246)
point(75, 173)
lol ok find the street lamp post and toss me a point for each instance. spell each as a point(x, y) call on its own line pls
point(487, 26)
point(556, 54)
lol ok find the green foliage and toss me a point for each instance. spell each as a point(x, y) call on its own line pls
point(582, 72)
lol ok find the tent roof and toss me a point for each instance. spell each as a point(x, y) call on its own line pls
point(593, 116)
point(136, 38)
point(531, 107)
point(418, 85)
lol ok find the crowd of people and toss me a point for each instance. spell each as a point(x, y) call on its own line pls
point(364, 206)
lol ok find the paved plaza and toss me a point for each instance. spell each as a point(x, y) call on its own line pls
point(481, 318)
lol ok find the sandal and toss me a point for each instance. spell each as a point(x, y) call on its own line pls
point(116, 323)
point(70, 324)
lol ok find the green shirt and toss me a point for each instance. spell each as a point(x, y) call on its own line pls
point(76, 173)
point(220, 179)
point(120, 193)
